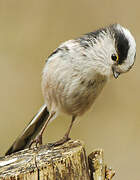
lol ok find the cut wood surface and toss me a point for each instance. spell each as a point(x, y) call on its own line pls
point(68, 161)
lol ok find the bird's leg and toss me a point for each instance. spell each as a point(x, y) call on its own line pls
point(66, 136)
point(38, 139)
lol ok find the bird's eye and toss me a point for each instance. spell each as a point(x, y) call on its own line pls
point(114, 57)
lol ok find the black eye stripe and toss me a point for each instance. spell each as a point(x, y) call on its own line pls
point(122, 45)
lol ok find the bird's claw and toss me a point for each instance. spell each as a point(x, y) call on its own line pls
point(60, 142)
point(37, 141)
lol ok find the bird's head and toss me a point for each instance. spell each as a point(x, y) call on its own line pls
point(115, 49)
point(125, 50)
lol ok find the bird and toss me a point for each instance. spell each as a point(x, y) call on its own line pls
point(74, 75)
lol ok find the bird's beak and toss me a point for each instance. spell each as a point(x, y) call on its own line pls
point(115, 72)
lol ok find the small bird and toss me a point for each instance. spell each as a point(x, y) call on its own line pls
point(75, 74)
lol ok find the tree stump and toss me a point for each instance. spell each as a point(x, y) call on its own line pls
point(67, 162)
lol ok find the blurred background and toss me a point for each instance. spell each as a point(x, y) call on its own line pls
point(29, 32)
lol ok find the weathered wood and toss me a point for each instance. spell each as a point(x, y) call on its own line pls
point(98, 170)
point(96, 164)
point(66, 162)
point(63, 162)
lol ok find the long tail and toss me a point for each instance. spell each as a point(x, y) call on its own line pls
point(30, 132)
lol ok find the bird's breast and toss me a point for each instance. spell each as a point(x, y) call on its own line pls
point(71, 87)
point(77, 96)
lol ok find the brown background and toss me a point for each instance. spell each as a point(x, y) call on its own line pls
point(29, 31)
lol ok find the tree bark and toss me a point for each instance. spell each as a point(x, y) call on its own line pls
point(66, 162)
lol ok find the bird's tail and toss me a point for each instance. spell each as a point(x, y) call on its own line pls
point(30, 132)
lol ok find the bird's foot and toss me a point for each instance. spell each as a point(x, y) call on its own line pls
point(60, 142)
point(37, 141)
